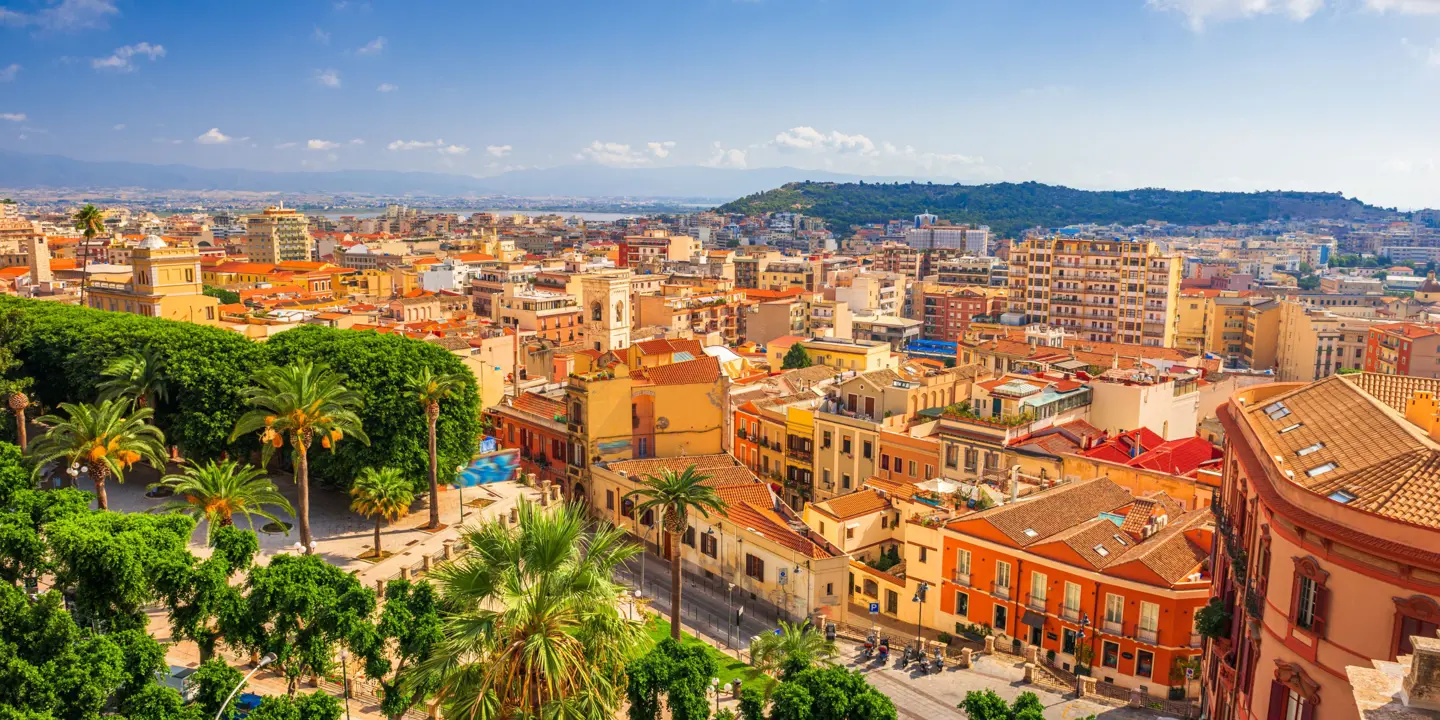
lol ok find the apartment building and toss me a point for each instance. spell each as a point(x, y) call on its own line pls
point(948, 311)
point(979, 439)
point(979, 271)
point(550, 315)
point(842, 354)
point(1403, 349)
point(969, 240)
point(655, 247)
point(1103, 290)
point(164, 282)
point(276, 235)
point(1314, 343)
point(790, 273)
point(806, 314)
point(748, 268)
point(897, 332)
point(686, 310)
point(535, 424)
point(1327, 541)
point(870, 293)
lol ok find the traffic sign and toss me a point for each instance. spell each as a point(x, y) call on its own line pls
point(875, 608)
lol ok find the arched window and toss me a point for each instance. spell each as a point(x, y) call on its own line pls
point(619, 312)
point(595, 311)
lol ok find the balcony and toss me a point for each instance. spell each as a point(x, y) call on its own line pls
point(1254, 604)
point(1196, 640)
point(1000, 591)
point(1113, 628)
point(804, 456)
point(1147, 635)
point(960, 578)
point(1035, 602)
point(1070, 614)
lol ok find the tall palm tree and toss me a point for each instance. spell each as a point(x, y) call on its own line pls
point(217, 491)
point(675, 496)
point(18, 401)
point(138, 375)
point(101, 437)
point(535, 627)
point(299, 402)
point(383, 494)
point(90, 221)
point(430, 388)
point(800, 644)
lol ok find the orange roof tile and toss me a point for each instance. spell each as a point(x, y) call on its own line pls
point(855, 504)
point(690, 372)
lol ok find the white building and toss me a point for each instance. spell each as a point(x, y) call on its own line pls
point(972, 240)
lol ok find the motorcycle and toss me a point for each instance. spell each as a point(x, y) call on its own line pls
point(905, 657)
point(868, 648)
point(920, 663)
point(938, 663)
point(884, 650)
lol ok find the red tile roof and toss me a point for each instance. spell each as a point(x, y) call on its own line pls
point(1179, 457)
point(690, 372)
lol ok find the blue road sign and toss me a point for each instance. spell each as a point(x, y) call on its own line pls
point(874, 608)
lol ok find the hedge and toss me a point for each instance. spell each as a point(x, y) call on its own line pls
point(64, 348)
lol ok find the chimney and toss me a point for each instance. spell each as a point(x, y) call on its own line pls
point(1014, 483)
point(1421, 687)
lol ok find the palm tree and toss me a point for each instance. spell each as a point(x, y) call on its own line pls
point(676, 496)
point(18, 401)
point(535, 628)
point(430, 388)
point(102, 438)
point(799, 644)
point(299, 402)
point(90, 221)
point(139, 376)
point(383, 494)
point(217, 491)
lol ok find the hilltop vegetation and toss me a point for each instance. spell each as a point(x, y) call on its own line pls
point(1009, 208)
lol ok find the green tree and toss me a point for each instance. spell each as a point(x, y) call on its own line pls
point(303, 609)
point(198, 594)
point(226, 297)
point(90, 221)
point(429, 388)
point(136, 376)
point(317, 705)
point(101, 438)
point(217, 491)
point(798, 644)
point(157, 702)
point(298, 403)
point(682, 672)
point(752, 703)
point(24, 548)
point(409, 629)
point(112, 562)
point(674, 496)
point(791, 701)
point(535, 626)
point(795, 358)
point(383, 495)
point(214, 681)
point(986, 705)
point(840, 694)
point(1213, 620)
point(14, 386)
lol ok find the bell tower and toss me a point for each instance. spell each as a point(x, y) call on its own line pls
point(606, 305)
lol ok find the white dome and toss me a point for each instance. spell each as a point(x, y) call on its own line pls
point(152, 242)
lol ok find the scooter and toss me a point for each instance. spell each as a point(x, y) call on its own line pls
point(920, 663)
point(868, 648)
point(905, 657)
point(884, 650)
point(938, 663)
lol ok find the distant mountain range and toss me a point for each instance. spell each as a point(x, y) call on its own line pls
point(1010, 208)
point(20, 170)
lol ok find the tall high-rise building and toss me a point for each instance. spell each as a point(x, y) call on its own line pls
point(970, 240)
point(277, 235)
point(1122, 291)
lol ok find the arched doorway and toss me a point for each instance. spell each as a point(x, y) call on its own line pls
point(577, 493)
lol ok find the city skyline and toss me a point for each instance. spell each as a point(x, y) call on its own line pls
point(1185, 94)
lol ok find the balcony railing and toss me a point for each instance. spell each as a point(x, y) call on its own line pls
point(801, 455)
point(1254, 604)
point(1035, 602)
point(1146, 635)
point(1113, 628)
point(960, 578)
point(1069, 614)
point(1000, 591)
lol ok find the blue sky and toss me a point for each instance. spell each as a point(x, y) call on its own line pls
point(1214, 94)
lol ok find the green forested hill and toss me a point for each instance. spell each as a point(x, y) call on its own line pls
point(1009, 208)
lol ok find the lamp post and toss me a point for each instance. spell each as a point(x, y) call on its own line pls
point(729, 613)
point(265, 660)
point(715, 684)
point(460, 486)
point(919, 615)
point(345, 678)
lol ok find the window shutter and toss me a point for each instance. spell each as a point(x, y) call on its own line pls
point(1294, 598)
point(1322, 608)
point(1278, 695)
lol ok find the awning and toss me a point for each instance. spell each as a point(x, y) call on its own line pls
point(1033, 619)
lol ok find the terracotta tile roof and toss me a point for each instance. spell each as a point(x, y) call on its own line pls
point(538, 405)
point(690, 372)
point(897, 488)
point(1126, 446)
point(855, 504)
point(1170, 553)
point(1179, 457)
point(1053, 512)
point(1098, 541)
point(757, 494)
point(765, 522)
point(1407, 330)
point(1393, 390)
point(723, 469)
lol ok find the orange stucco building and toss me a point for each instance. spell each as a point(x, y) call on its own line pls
point(1329, 541)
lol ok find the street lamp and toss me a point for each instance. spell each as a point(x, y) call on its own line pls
point(715, 683)
point(345, 677)
point(265, 660)
point(729, 613)
point(920, 614)
point(460, 486)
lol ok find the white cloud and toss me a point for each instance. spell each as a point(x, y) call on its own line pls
point(286, 145)
point(387, 87)
point(357, 141)
point(1430, 55)
point(321, 145)
point(213, 136)
point(119, 127)
point(415, 144)
point(321, 36)
point(661, 149)
point(374, 47)
point(611, 153)
point(811, 140)
point(1200, 12)
point(1408, 7)
point(13, 117)
point(9, 72)
point(328, 78)
point(498, 151)
point(123, 58)
point(722, 157)
point(454, 150)
point(64, 15)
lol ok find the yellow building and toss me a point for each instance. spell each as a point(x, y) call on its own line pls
point(165, 282)
point(278, 234)
point(753, 544)
point(372, 284)
point(1102, 290)
point(799, 477)
point(1314, 343)
point(1191, 316)
point(790, 273)
point(844, 354)
point(1262, 333)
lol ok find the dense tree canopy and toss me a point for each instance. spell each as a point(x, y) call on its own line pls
point(111, 561)
point(66, 348)
point(680, 672)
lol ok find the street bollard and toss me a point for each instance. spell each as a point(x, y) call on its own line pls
point(1029, 672)
point(1032, 655)
point(966, 655)
point(514, 515)
point(380, 588)
point(1084, 686)
point(404, 573)
point(990, 645)
point(449, 551)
